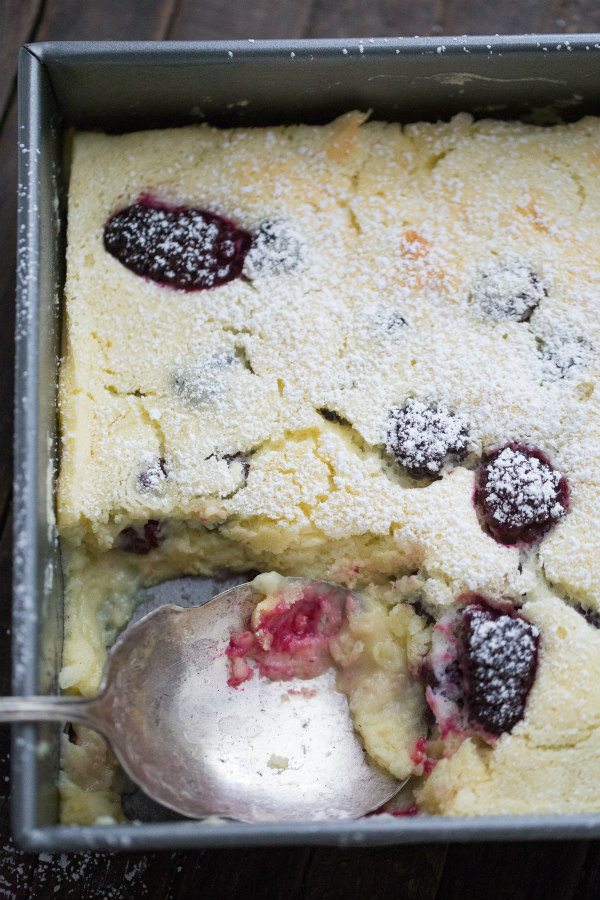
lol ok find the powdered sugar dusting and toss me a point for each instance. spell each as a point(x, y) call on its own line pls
point(563, 353)
point(152, 476)
point(277, 249)
point(422, 437)
point(389, 266)
point(376, 312)
point(508, 289)
point(480, 670)
point(520, 492)
point(204, 379)
point(500, 659)
point(184, 247)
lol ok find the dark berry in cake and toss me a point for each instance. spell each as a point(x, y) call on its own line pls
point(230, 458)
point(562, 353)
point(71, 734)
point(181, 246)
point(277, 249)
point(141, 539)
point(390, 322)
point(425, 674)
point(591, 616)
point(331, 416)
point(204, 379)
point(518, 494)
point(420, 609)
point(508, 289)
point(423, 437)
point(395, 323)
point(498, 659)
point(152, 476)
point(242, 459)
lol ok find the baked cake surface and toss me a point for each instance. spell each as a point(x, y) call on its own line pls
point(385, 376)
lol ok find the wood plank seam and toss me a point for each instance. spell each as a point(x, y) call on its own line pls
point(172, 19)
point(12, 94)
point(310, 17)
point(5, 515)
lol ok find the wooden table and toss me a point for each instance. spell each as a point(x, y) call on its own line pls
point(526, 870)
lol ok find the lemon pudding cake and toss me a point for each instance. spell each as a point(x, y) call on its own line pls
point(366, 353)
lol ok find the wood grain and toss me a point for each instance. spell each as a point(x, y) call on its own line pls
point(239, 19)
point(588, 886)
point(526, 871)
point(518, 16)
point(8, 212)
point(108, 20)
point(251, 874)
point(378, 18)
point(18, 19)
point(379, 874)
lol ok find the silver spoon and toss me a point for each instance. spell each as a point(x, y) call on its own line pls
point(265, 752)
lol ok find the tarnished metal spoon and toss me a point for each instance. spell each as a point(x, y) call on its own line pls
point(267, 751)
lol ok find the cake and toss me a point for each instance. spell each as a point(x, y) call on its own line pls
point(363, 352)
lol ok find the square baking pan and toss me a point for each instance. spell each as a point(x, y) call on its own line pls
point(126, 86)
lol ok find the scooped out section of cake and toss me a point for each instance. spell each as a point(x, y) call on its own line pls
point(289, 632)
point(300, 632)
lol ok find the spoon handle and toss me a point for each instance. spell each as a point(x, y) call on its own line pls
point(45, 709)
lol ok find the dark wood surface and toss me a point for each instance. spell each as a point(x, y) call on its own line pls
point(527, 870)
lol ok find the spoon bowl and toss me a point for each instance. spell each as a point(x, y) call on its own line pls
point(267, 750)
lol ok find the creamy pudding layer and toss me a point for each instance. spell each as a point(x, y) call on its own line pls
point(366, 353)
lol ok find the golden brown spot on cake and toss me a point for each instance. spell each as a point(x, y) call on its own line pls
point(414, 245)
point(533, 212)
point(345, 132)
point(584, 390)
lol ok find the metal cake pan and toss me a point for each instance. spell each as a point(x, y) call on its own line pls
point(125, 86)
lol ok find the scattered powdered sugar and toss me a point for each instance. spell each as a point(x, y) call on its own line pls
point(521, 490)
point(152, 476)
point(184, 247)
point(562, 353)
point(508, 289)
point(66, 875)
point(499, 664)
point(302, 337)
point(74, 875)
point(277, 249)
point(480, 669)
point(239, 460)
point(422, 437)
point(336, 341)
point(389, 321)
point(200, 381)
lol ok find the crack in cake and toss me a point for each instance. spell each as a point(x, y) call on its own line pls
point(365, 353)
